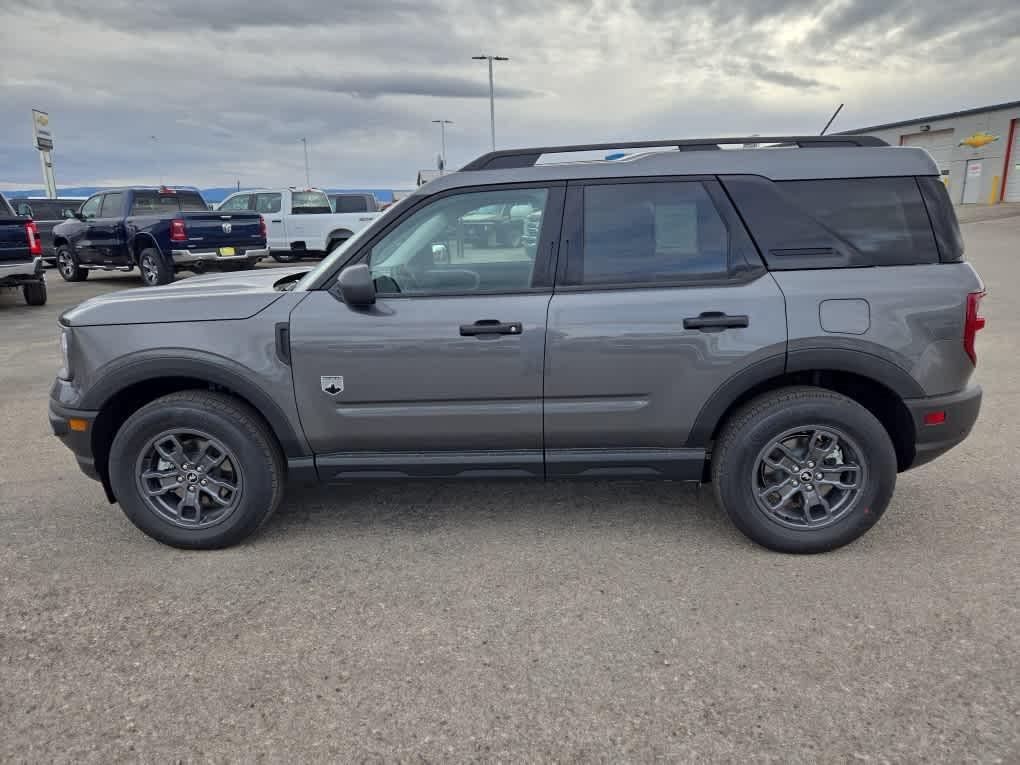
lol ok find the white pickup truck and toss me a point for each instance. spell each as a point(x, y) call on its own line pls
point(299, 222)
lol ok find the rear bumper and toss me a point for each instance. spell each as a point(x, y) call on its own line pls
point(961, 412)
point(182, 257)
point(78, 441)
point(23, 271)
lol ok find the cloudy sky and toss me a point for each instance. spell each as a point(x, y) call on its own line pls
point(230, 87)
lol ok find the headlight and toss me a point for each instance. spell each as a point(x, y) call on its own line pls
point(65, 372)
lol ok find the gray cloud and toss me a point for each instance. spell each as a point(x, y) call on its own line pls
point(403, 84)
point(231, 87)
point(786, 79)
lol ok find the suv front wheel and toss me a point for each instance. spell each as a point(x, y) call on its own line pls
point(196, 470)
point(804, 470)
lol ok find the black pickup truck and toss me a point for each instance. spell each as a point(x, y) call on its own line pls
point(21, 265)
point(158, 230)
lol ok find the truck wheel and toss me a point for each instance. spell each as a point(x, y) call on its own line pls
point(196, 470)
point(155, 268)
point(285, 257)
point(804, 470)
point(67, 264)
point(35, 293)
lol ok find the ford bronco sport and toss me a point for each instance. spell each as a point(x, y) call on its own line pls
point(793, 323)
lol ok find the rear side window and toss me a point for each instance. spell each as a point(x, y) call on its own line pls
point(943, 219)
point(643, 233)
point(309, 203)
point(835, 223)
point(351, 204)
point(268, 203)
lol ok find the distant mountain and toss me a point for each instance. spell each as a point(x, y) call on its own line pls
point(212, 195)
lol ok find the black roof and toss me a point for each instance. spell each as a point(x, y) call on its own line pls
point(934, 117)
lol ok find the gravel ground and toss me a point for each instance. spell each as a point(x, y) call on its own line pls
point(515, 622)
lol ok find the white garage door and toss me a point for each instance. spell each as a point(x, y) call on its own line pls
point(939, 143)
point(1013, 171)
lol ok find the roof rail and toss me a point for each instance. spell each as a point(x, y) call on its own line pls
point(510, 158)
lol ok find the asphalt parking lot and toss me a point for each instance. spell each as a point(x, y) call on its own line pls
point(515, 622)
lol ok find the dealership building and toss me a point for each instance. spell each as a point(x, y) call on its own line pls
point(977, 150)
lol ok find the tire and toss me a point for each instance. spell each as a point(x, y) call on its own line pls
point(237, 429)
point(155, 269)
point(285, 257)
point(803, 416)
point(68, 266)
point(35, 293)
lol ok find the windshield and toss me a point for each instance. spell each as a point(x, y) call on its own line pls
point(340, 254)
point(310, 203)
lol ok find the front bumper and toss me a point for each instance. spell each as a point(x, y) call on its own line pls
point(182, 257)
point(960, 412)
point(77, 439)
point(24, 271)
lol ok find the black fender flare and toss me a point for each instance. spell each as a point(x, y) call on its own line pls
point(150, 241)
point(857, 362)
point(149, 366)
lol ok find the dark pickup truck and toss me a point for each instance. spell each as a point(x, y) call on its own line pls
point(47, 214)
point(159, 230)
point(21, 265)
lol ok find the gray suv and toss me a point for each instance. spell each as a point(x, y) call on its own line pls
point(792, 323)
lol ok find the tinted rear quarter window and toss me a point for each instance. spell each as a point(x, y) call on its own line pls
point(834, 223)
point(643, 233)
point(351, 204)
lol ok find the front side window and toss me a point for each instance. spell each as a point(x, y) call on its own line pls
point(643, 233)
point(457, 244)
point(268, 203)
point(90, 209)
point(113, 204)
point(236, 203)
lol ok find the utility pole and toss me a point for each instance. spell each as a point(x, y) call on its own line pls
point(308, 181)
point(155, 154)
point(442, 128)
point(492, 93)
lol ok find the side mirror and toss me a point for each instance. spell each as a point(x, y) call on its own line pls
point(355, 286)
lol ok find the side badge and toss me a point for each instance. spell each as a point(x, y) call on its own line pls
point(333, 385)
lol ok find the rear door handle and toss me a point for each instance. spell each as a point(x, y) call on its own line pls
point(715, 321)
point(491, 327)
point(276, 220)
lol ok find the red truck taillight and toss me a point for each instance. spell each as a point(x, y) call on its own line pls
point(973, 323)
point(178, 231)
point(34, 243)
point(262, 228)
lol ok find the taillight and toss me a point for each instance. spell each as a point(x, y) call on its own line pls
point(178, 233)
point(262, 228)
point(973, 323)
point(34, 243)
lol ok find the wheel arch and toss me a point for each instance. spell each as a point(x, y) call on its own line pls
point(878, 385)
point(124, 390)
point(143, 242)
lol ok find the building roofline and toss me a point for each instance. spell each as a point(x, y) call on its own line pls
point(932, 118)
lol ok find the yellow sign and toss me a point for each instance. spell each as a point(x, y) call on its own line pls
point(978, 140)
point(42, 119)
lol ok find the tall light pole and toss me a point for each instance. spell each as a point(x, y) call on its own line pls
point(155, 153)
point(442, 128)
point(308, 181)
point(492, 93)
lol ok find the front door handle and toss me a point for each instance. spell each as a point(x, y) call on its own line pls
point(491, 327)
point(715, 321)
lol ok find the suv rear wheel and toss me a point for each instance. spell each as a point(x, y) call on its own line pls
point(804, 470)
point(196, 470)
